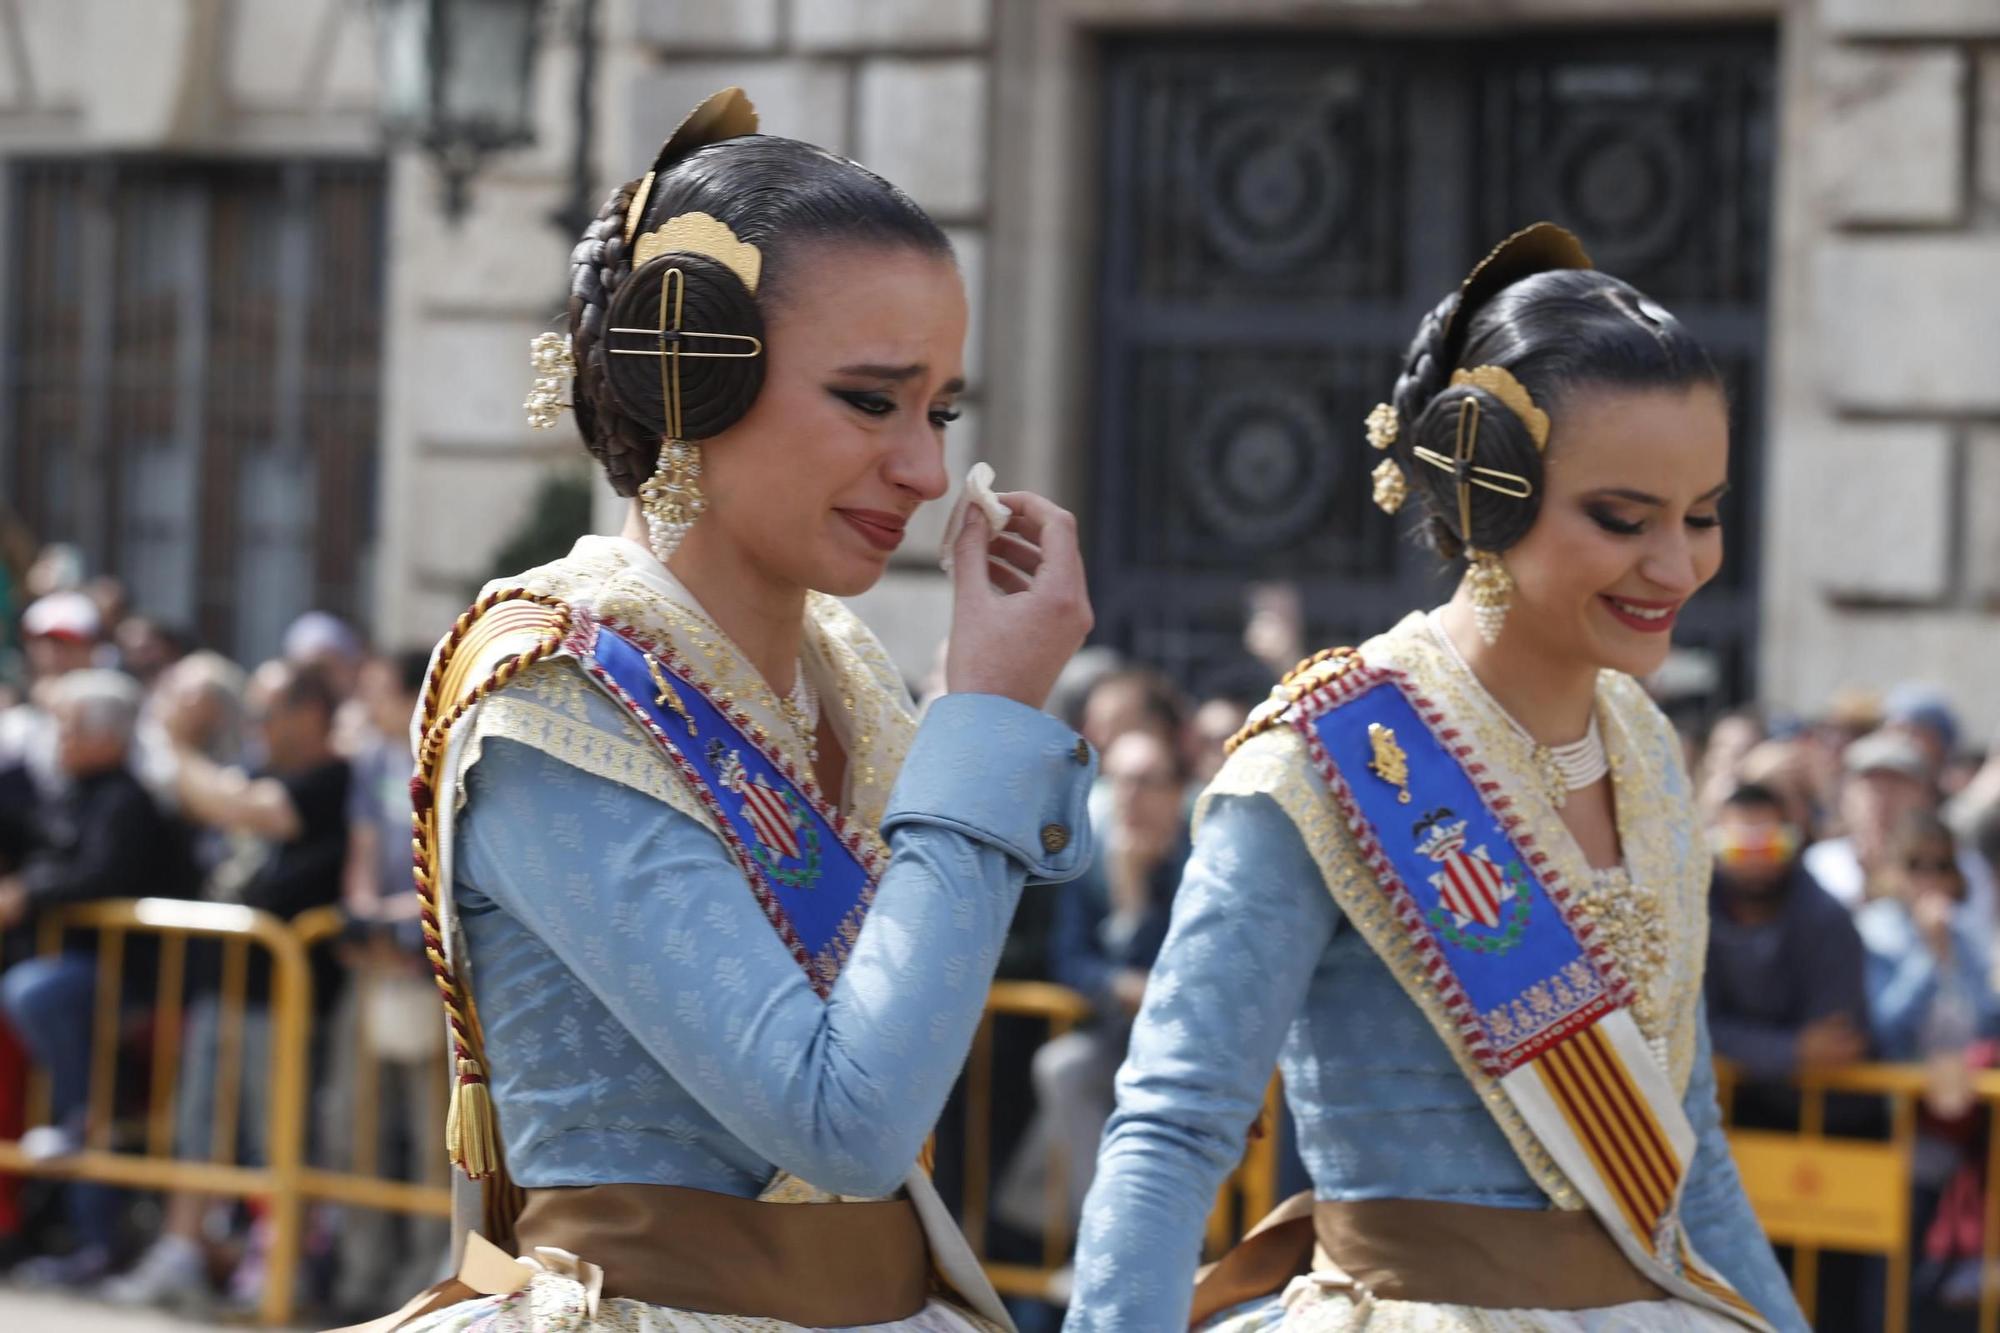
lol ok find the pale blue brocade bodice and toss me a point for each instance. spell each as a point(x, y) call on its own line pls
point(1260, 965)
point(643, 1021)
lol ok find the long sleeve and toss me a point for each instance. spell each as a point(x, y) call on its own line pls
point(1716, 1211)
point(115, 853)
point(1823, 970)
point(1250, 924)
point(657, 923)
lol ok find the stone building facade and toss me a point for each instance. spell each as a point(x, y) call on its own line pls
point(1878, 530)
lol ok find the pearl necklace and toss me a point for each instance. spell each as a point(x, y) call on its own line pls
point(1562, 768)
point(801, 709)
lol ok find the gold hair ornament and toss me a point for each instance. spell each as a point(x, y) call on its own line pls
point(1510, 484)
point(555, 365)
point(1383, 426)
point(702, 234)
point(1500, 382)
point(671, 499)
point(727, 114)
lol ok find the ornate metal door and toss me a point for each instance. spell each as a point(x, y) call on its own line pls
point(1278, 214)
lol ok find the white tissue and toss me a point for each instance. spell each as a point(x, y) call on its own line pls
point(979, 491)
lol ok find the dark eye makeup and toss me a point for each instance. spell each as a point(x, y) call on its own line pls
point(877, 404)
point(1621, 527)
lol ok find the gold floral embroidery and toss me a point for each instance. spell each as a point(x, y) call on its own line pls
point(876, 723)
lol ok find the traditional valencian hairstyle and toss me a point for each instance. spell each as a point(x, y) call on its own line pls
point(1491, 366)
point(670, 284)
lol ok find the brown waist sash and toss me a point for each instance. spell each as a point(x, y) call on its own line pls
point(1437, 1253)
point(820, 1265)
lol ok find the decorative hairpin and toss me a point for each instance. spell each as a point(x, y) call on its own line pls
point(555, 363)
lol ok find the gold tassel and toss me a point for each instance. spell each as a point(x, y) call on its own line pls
point(470, 1133)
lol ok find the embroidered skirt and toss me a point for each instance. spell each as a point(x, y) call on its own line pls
point(553, 1303)
point(1325, 1303)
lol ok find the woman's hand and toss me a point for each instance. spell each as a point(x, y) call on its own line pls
point(1020, 609)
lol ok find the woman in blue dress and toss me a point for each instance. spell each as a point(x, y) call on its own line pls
point(713, 916)
point(1452, 884)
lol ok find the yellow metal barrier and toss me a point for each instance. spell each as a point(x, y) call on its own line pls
point(1249, 1193)
point(1811, 1191)
point(284, 1181)
point(1815, 1192)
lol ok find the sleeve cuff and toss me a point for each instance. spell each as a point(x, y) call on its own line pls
point(1004, 774)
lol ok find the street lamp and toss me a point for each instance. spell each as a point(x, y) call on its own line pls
point(458, 81)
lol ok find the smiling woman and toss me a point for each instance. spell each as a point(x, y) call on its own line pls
point(710, 913)
point(1453, 875)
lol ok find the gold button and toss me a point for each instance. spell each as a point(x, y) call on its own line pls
point(1082, 752)
point(1054, 838)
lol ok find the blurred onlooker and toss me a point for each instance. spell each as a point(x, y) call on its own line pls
point(1730, 740)
point(327, 644)
point(1784, 984)
point(1109, 928)
point(1784, 768)
point(1925, 716)
point(102, 837)
point(388, 1012)
point(1128, 699)
point(59, 635)
point(1931, 1000)
point(147, 647)
point(1218, 718)
point(297, 810)
point(1274, 626)
point(1978, 798)
point(57, 567)
point(1928, 970)
point(1888, 780)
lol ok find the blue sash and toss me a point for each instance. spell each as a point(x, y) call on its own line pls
point(814, 884)
point(1514, 974)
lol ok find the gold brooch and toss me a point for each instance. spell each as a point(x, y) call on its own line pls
point(1390, 763)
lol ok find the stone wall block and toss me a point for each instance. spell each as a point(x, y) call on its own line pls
point(1982, 514)
point(1911, 18)
point(472, 375)
point(1986, 136)
point(1880, 497)
point(877, 25)
point(708, 25)
point(1909, 324)
point(488, 499)
point(54, 55)
point(923, 125)
point(969, 245)
point(504, 257)
point(801, 99)
point(1892, 136)
point(271, 50)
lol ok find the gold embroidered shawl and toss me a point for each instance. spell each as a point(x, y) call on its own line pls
point(548, 706)
point(1655, 915)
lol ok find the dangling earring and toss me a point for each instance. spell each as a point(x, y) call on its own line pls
point(1492, 589)
point(671, 499)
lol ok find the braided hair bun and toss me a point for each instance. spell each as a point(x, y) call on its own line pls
point(777, 195)
point(1536, 309)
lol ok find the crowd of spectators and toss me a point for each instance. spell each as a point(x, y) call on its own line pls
point(1854, 917)
point(133, 765)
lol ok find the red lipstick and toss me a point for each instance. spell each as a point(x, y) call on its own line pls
point(1638, 613)
point(881, 529)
